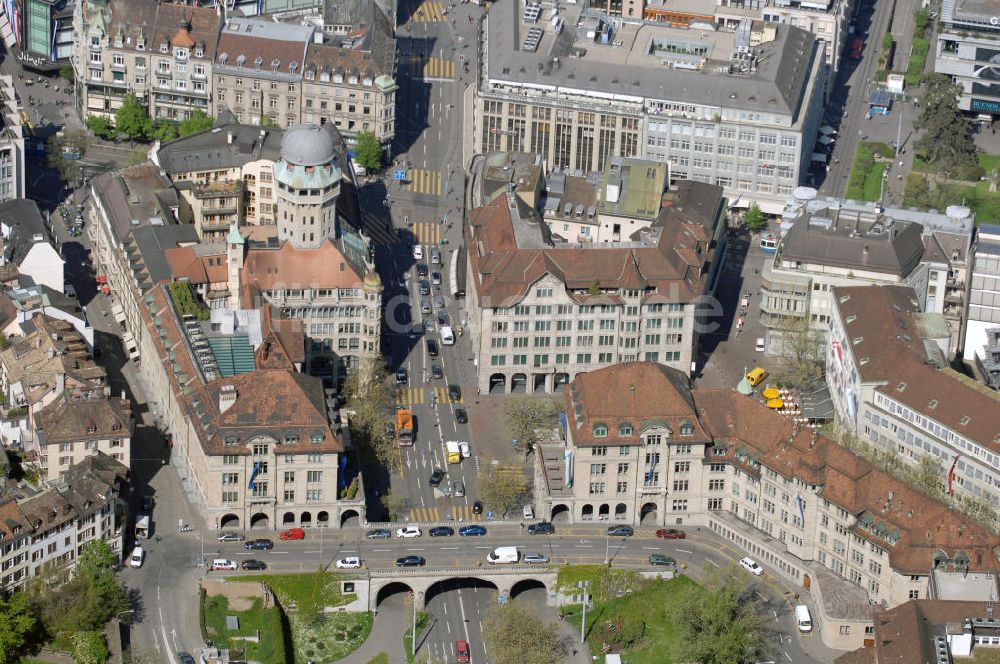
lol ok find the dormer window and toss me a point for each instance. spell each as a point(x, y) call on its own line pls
point(181, 53)
point(118, 41)
point(199, 51)
point(275, 64)
point(687, 429)
point(258, 61)
point(140, 43)
point(600, 431)
point(164, 47)
point(624, 430)
point(310, 75)
point(291, 439)
point(316, 438)
point(95, 41)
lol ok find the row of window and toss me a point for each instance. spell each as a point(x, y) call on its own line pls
point(543, 359)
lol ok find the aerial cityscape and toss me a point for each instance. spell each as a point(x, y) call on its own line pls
point(499, 331)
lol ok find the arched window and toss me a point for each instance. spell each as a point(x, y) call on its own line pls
point(624, 429)
point(600, 431)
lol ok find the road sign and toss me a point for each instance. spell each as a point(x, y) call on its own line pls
point(399, 175)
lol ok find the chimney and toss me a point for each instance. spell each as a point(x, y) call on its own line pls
point(229, 137)
point(227, 398)
point(60, 383)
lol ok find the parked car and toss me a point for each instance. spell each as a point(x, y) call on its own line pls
point(425, 288)
point(147, 504)
point(472, 531)
point(436, 477)
point(418, 252)
point(421, 269)
point(231, 537)
point(253, 565)
point(224, 564)
point(185, 658)
point(443, 317)
point(477, 507)
point(660, 559)
point(620, 531)
point(436, 278)
point(759, 346)
point(410, 561)
point(425, 308)
point(441, 531)
point(408, 531)
point(541, 528)
point(292, 534)
point(402, 378)
point(670, 533)
point(461, 416)
point(535, 558)
point(528, 512)
point(350, 562)
point(439, 301)
point(259, 545)
point(454, 393)
point(752, 566)
point(137, 557)
point(464, 449)
point(379, 533)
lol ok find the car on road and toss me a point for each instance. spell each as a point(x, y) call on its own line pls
point(436, 477)
point(464, 449)
point(425, 288)
point(541, 528)
point(461, 416)
point(147, 504)
point(259, 545)
point(432, 348)
point(429, 324)
point(535, 558)
point(231, 537)
point(185, 658)
point(408, 531)
point(224, 564)
point(418, 252)
point(752, 566)
point(443, 317)
point(477, 507)
point(436, 278)
point(528, 512)
point(441, 531)
point(759, 346)
point(402, 378)
point(137, 557)
point(421, 269)
point(472, 531)
point(458, 488)
point(620, 531)
point(660, 559)
point(251, 564)
point(292, 534)
point(410, 561)
point(439, 301)
point(379, 533)
point(436, 372)
point(454, 393)
point(462, 655)
point(350, 562)
point(670, 533)
point(425, 308)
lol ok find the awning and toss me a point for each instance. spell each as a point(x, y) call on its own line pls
point(771, 393)
point(102, 278)
point(118, 312)
point(774, 404)
point(827, 130)
point(106, 290)
point(819, 157)
point(771, 207)
point(826, 140)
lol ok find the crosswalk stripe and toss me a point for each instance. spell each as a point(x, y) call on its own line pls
point(425, 514)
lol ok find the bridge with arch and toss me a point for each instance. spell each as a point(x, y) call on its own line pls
point(425, 584)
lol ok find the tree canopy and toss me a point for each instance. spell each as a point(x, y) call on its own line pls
point(198, 122)
point(501, 486)
point(132, 119)
point(945, 142)
point(368, 151)
point(17, 624)
point(101, 126)
point(370, 399)
point(754, 219)
point(525, 415)
point(512, 633)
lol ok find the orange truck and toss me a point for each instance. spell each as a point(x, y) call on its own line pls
point(404, 427)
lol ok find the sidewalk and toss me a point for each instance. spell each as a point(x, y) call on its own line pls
point(386, 637)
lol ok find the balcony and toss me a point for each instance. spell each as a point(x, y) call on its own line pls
point(119, 66)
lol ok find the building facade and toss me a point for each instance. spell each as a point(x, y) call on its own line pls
point(38, 33)
point(984, 293)
point(12, 155)
point(966, 50)
point(78, 424)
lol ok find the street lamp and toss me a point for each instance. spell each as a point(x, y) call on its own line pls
point(413, 634)
point(607, 547)
point(583, 623)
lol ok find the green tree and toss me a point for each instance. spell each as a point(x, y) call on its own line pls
point(595, 288)
point(887, 42)
point(76, 141)
point(526, 416)
point(101, 126)
point(90, 648)
point(501, 486)
point(198, 122)
point(368, 151)
point(369, 407)
point(163, 130)
point(132, 119)
point(928, 476)
point(268, 121)
point(66, 73)
point(945, 142)
point(17, 625)
point(802, 349)
point(754, 219)
point(394, 504)
point(718, 623)
point(513, 633)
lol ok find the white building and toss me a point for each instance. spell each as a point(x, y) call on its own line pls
point(26, 244)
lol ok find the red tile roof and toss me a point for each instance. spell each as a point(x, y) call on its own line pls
point(290, 268)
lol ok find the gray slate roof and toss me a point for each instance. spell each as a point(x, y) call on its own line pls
point(211, 149)
point(23, 218)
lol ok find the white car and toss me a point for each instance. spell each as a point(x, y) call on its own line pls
point(759, 346)
point(138, 555)
point(418, 252)
point(350, 562)
point(408, 531)
point(464, 448)
point(752, 566)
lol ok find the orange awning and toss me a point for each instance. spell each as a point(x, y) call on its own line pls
point(775, 403)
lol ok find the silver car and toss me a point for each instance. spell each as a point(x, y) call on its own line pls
point(425, 305)
point(458, 488)
point(535, 559)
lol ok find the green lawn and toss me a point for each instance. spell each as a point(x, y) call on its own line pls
point(304, 590)
point(989, 162)
point(408, 635)
point(659, 643)
point(266, 622)
point(865, 180)
point(381, 658)
point(570, 576)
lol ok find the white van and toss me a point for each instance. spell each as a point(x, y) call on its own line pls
point(803, 619)
point(503, 555)
point(447, 336)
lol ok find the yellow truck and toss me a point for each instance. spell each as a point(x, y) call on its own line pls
point(454, 452)
point(756, 375)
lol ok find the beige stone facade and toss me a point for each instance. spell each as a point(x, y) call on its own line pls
point(78, 424)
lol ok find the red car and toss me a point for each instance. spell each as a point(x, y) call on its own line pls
point(670, 533)
point(292, 534)
point(461, 651)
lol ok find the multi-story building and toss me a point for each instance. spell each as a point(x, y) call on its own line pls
point(12, 156)
point(258, 70)
point(27, 302)
point(163, 52)
point(541, 312)
point(966, 50)
point(38, 33)
point(78, 424)
point(885, 368)
point(642, 446)
point(47, 525)
point(737, 109)
point(988, 360)
point(984, 293)
point(829, 243)
point(27, 245)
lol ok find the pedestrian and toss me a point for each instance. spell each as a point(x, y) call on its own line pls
point(522, 525)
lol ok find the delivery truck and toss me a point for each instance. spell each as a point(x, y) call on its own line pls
point(454, 452)
point(503, 555)
point(142, 527)
point(404, 427)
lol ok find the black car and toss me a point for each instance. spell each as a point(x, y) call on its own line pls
point(542, 528)
point(425, 288)
point(259, 545)
point(477, 507)
point(472, 531)
point(620, 531)
point(436, 278)
point(454, 393)
point(436, 477)
point(461, 416)
point(436, 371)
point(402, 378)
point(421, 269)
point(432, 348)
point(251, 564)
point(379, 533)
point(441, 531)
point(185, 658)
point(147, 504)
point(443, 317)
point(410, 561)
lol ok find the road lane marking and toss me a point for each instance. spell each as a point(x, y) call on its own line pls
point(709, 560)
point(684, 551)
